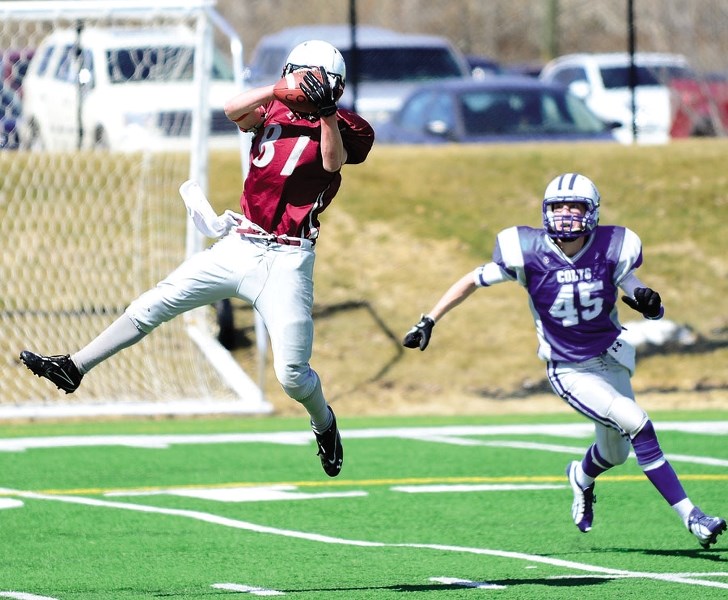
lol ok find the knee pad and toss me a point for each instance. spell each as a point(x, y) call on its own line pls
point(610, 450)
point(297, 381)
point(627, 415)
point(646, 446)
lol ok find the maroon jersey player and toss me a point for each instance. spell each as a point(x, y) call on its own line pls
point(265, 257)
point(289, 185)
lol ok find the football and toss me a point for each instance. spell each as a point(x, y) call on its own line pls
point(287, 90)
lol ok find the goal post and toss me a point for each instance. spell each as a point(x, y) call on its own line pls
point(121, 102)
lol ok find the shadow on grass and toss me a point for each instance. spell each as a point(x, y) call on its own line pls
point(711, 554)
point(570, 582)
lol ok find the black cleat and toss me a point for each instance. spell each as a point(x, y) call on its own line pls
point(58, 369)
point(330, 450)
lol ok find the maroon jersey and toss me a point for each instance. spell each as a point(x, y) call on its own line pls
point(287, 187)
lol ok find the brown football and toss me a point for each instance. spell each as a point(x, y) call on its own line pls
point(287, 90)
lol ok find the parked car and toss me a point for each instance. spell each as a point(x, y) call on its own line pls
point(498, 109)
point(603, 81)
point(10, 110)
point(700, 105)
point(388, 64)
point(13, 66)
point(482, 66)
point(132, 87)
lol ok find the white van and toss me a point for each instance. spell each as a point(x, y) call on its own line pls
point(389, 64)
point(119, 88)
point(602, 81)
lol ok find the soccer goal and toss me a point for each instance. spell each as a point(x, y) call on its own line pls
point(121, 102)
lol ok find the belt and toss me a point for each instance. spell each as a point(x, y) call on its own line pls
point(271, 238)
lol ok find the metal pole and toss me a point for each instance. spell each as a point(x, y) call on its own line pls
point(353, 68)
point(632, 67)
point(78, 65)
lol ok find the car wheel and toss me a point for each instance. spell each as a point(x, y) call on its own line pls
point(101, 139)
point(704, 128)
point(34, 139)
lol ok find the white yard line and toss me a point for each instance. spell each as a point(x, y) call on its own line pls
point(24, 596)
point(694, 580)
point(246, 589)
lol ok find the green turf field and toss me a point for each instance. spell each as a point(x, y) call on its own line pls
point(425, 508)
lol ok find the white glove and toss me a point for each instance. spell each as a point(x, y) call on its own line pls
point(208, 223)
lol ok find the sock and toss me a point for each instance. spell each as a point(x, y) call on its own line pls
point(664, 478)
point(316, 406)
point(683, 509)
point(656, 468)
point(121, 334)
point(592, 465)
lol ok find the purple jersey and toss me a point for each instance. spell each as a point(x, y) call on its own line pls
point(572, 299)
point(287, 186)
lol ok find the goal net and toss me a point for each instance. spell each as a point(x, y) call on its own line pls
point(121, 102)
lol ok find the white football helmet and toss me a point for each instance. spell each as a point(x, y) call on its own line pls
point(570, 187)
point(317, 53)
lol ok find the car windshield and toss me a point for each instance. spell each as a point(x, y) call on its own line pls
point(402, 64)
point(618, 77)
point(527, 112)
point(159, 64)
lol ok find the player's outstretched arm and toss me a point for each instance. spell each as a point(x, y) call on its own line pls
point(245, 109)
point(419, 335)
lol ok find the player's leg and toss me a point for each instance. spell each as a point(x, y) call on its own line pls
point(601, 390)
point(583, 387)
point(285, 304)
point(661, 474)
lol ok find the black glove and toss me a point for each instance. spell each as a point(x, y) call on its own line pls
point(645, 301)
point(319, 93)
point(420, 334)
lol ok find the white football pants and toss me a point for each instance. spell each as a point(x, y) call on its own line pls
point(601, 390)
point(276, 279)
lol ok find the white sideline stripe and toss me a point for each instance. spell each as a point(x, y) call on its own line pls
point(288, 438)
point(9, 502)
point(269, 493)
point(698, 460)
point(475, 487)
point(449, 434)
point(24, 596)
point(192, 406)
point(250, 589)
point(315, 537)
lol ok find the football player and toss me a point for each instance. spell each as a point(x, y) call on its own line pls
point(572, 270)
point(265, 257)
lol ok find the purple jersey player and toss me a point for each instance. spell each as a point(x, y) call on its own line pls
point(572, 270)
point(266, 255)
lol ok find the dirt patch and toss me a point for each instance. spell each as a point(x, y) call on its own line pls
point(482, 358)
